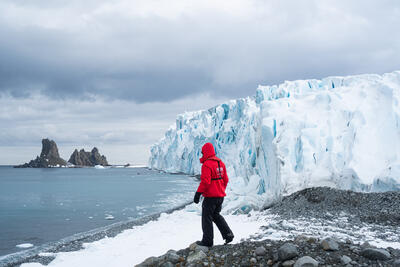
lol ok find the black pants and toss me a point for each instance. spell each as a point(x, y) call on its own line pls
point(210, 213)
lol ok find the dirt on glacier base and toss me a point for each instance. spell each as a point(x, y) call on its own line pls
point(323, 226)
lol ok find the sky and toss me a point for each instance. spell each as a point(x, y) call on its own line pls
point(115, 74)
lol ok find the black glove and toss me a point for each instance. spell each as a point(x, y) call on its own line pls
point(197, 197)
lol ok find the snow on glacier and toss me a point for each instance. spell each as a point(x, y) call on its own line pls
point(341, 132)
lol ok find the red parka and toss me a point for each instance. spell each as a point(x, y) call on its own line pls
point(214, 178)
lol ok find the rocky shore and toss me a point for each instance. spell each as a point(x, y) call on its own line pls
point(316, 227)
point(301, 252)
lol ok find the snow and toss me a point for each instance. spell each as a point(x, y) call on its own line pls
point(342, 132)
point(181, 228)
point(24, 245)
point(171, 231)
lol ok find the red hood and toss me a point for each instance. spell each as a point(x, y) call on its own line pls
point(208, 153)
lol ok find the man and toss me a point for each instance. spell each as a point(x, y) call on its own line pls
point(214, 180)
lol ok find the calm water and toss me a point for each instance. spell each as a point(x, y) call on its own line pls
point(42, 205)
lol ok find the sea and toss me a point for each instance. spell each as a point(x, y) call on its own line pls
point(38, 206)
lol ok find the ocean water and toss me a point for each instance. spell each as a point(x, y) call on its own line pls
point(43, 205)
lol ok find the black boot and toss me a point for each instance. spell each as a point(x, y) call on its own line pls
point(229, 238)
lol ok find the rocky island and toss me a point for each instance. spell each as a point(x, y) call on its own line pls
point(83, 158)
point(49, 157)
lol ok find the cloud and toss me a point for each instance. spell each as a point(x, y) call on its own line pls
point(121, 129)
point(148, 51)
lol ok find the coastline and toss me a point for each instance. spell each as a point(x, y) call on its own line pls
point(75, 242)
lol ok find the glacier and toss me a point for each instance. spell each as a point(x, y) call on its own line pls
point(341, 132)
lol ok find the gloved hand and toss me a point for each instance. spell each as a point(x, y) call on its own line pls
point(197, 197)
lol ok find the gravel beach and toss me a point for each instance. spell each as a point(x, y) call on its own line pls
point(320, 227)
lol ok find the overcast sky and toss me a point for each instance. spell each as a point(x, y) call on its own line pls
point(114, 74)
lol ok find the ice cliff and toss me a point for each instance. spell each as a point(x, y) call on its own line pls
point(342, 132)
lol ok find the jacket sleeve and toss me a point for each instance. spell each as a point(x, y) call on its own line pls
point(205, 179)
point(225, 178)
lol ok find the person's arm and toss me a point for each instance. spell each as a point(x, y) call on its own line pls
point(225, 177)
point(205, 179)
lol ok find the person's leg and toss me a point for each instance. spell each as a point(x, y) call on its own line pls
point(222, 225)
point(208, 208)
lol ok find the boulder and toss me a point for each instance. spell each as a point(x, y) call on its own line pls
point(287, 252)
point(375, 254)
point(306, 261)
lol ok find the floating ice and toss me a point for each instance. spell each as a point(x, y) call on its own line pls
point(24, 245)
point(341, 132)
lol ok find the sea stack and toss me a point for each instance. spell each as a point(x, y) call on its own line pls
point(49, 157)
point(90, 159)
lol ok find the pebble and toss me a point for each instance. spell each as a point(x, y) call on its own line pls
point(329, 244)
point(260, 251)
point(289, 263)
point(306, 261)
point(345, 259)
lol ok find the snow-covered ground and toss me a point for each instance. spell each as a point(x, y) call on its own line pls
point(171, 231)
point(181, 228)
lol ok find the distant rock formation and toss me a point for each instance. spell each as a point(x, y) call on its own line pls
point(49, 157)
point(83, 158)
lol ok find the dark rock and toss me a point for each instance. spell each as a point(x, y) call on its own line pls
point(288, 263)
point(172, 257)
point(396, 263)
point(306, 261)
point(376, 254)
point(345, 259)
point(287, 252)
point(196, 256)
point(260, 251)
point(329, 244)
point(49, 157)
point(90, 159)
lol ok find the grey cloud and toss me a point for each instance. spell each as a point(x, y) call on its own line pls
point(153, 58)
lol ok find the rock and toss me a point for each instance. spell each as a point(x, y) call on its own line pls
point(289, 263)
point(260, 251)
point(345, 259)
point(270, 262)
point(196, 256)
point(172, 257)
point(329, 244)
point(253, 260)
point(167, 264)
point(396, 263)
point(49, 157)
point(149, 262)
point(91, 159)
point(287, 252)
point(306, 261)
point(201, 248)
point(376, 254)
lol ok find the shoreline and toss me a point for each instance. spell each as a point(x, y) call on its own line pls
point(74, 242)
